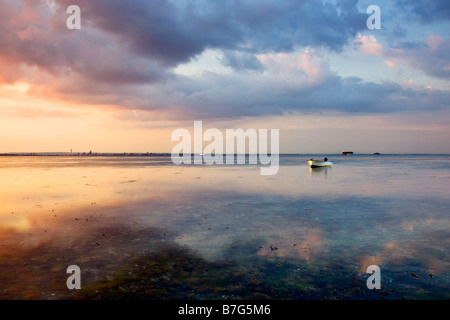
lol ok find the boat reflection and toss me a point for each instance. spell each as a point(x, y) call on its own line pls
point(318, 170)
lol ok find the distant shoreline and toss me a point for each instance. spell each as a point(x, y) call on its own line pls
point(163, 154)
point(83, 154)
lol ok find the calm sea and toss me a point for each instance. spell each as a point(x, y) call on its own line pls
point(142, 227)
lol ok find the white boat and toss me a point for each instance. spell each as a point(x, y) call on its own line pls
point(318, 163)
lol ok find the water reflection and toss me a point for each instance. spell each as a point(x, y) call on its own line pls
point(316, 171)
point(302, 233)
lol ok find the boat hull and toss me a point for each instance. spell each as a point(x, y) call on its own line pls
point(319, 164)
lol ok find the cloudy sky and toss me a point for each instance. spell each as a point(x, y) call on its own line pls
point(137, 70)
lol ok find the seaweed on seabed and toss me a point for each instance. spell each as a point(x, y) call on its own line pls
point(176, 273)
point(168, 273)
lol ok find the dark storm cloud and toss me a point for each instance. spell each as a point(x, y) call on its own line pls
point(172, 32)
point(139, 41)
point(126, 52)
point(32, 34)
point(217, 96)
point(426, 11)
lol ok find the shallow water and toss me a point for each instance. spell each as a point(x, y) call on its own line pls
point(225, 231)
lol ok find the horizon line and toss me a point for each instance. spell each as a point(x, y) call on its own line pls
point(65, 153)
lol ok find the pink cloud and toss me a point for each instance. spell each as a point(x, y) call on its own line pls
point(369, 45)
point(390, 64)
point(307, 66)
point(430, 55)
point(433, 42)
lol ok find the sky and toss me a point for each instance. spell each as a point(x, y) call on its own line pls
point(137, 70)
